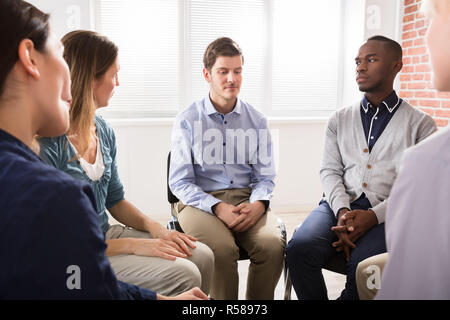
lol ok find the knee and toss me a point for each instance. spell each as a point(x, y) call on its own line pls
point(203, 256)
point(190, 276)
point(225, 252)
point(270, 247)
point(300, 249)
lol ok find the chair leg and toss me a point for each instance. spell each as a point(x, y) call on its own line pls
point(287, 283)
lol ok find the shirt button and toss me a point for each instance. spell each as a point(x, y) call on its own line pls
point(224, 143)
point(364, 185)
point(371, 137)
point(231, 181)
point(369, 166)
point(376, 118)
point(225, 122)
point(366, 150)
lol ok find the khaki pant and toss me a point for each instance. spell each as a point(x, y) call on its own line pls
point(368, 276)
point(164, 276)
point(263, 243)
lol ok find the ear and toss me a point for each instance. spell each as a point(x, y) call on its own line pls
point(398, 65)
point(207, 75)
point(27, 57)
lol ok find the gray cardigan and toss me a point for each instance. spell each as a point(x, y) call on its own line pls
point(349, 169)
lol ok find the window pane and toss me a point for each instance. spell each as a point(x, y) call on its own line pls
point(305, 52)
point(147, 33)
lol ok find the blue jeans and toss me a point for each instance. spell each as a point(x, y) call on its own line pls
point(310, 248)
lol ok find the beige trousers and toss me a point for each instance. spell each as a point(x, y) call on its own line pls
point(164, 276)
point(368, 276)
point(263, 243)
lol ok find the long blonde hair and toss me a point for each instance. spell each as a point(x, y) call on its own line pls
point(89, 55)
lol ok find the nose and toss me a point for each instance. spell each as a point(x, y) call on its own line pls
point(230, 77)
point(117, 81)
point(361, 67)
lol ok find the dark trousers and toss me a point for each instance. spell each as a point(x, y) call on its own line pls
point(310, 249)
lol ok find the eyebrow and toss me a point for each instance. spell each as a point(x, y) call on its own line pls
point(367, 56)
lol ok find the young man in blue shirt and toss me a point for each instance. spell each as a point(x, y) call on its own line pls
point(222, 171)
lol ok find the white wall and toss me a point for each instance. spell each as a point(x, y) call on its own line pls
point(143, 146)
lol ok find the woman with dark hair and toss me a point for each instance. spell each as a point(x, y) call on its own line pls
point(141, 251)
point(51, 246)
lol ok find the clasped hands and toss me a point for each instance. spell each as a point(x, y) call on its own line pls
point(239, 218)
point(352, 224)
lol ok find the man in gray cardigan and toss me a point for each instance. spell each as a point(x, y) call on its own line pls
point(363, 145)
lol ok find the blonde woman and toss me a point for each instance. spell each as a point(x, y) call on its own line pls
point(141, 251)
point(418, 219)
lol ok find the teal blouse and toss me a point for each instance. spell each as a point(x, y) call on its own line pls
point(108, 190)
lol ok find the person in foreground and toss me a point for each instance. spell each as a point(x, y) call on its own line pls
point(141, 251)
point(51, 244)
point(418, 217)
point(222, 171)
point(363, 144)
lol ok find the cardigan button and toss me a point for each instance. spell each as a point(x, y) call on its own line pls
point(369, 166)
point(364, 185)
point(366, 150)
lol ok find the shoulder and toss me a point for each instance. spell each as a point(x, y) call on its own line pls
point(434, 149)
point(415, 114)
point(256, 115)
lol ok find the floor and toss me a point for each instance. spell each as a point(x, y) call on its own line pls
point(335, 282)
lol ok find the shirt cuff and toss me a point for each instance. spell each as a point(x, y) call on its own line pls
point(208, 203)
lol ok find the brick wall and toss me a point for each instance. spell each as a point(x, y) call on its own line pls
point(416, 86)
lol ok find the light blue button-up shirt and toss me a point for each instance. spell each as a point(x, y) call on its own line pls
point(211, 151)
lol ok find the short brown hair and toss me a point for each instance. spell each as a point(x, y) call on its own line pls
point(221, 47)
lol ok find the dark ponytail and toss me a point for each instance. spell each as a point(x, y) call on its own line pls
point(19, 20)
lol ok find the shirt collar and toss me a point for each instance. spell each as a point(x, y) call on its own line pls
point(209, 107)
point(391, 102)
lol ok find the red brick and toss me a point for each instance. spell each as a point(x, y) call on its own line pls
point(411, 9)
point(414, 103)
point(443, 113)
point(417, 85)
point(406, 94)
point(425, 94)
point(425, 58)
point(408, 26)
point(419, 24)
point(417, 76)
point(403, 86)
point(430, 85)
point(419, 15)
point(408, 69)
point(427, 76)
point(407, 44)
point(409, 35)
point(405, 77)
point(430, 103)
point(441, 122)
point(408, 2)
point(423, 68)
point(417, 50)
point(419, 42)
point(446, 104)
point(444, 95)
point(422, 32)
point(416, 60)
point(408, 18)
point(407, 60)
point(429, 111)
